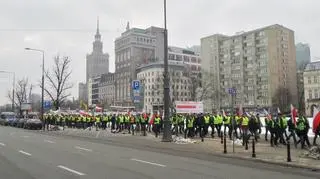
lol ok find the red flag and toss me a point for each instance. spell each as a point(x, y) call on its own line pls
point(293, 114)
point(240, 110)
point(316, 119)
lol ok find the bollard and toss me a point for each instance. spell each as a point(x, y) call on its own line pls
point(144, 130)
point(288, 151)
point(246, 142)
point(253, 149)
point(221, 136)
point(225, 144)
point(185, 133)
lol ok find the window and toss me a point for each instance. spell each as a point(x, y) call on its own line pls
point(315, 80)
point(316, 94)
point(309, 80)
point(310, 94)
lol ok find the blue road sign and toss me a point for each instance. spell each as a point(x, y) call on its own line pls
point(232, 91)
point(136, 84)
point(47, 104)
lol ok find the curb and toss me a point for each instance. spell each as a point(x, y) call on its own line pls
point(282, 164)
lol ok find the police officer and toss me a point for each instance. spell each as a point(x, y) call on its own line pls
point(302, 131)
point(190, 125)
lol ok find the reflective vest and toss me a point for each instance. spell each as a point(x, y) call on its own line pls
point(127, 119)
point(285, 122)
point(190, 122)
point(121, 119)
point(157, 120)
point(245, 121)
point(97, 119)
point(206, 119)
point(301, 126)
point(227, 120)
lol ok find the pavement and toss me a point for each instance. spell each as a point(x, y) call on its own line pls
point(38, 155)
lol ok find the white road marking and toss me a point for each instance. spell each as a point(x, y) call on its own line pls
point(81, 148)
point(25, 136)
point(49, 141)
point(97, 134)
point(12, 133)
point(151, 163)
point(2, 144)
point(25, 153)
point(70, 170)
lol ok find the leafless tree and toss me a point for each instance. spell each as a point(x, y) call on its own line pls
point(22, 91)
point(282, 98)
point(57, 83)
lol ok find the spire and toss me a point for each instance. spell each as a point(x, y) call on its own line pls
point(98, 25)
point(128, 26)
point(97, 36)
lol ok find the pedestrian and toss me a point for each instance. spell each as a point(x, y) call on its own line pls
point(292, 131)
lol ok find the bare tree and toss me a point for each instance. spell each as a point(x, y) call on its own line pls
point(57, 83)
point(200, 87)
point(22, 91)
point(282, 98)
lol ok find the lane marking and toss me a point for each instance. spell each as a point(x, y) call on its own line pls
point(85, 149)
point(49, 141)
point(25, 153)
point(12, 133)
point(2, 144)
point(70, 170)
point(151, 163)
point(25, 136)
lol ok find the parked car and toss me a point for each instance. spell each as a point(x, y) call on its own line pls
point(33, 124)
point(20, 123)
point(7, 118)
point(14, 122)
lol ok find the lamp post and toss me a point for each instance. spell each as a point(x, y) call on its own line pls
point(166, 122)
point(13, 87)
point(42, 84)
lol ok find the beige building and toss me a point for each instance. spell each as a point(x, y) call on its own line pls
point(311, 77)
point(258, 64)
point(151, 77)
point(107, 89)
point(134, 47)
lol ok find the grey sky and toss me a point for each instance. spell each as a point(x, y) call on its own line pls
point(188, 21)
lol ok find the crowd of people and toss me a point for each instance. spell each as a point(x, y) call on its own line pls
point(278, 129)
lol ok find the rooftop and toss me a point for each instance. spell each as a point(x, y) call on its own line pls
point(313, 66)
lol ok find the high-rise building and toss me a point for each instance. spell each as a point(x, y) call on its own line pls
point(97, 61)
point(134, 47)
point(260, 64)
point(83, 94)
point(302, 55)
point(311, 80)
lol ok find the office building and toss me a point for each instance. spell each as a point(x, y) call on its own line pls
point(311, 80)
point(302, 55)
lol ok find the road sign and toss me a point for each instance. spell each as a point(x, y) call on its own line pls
point(232, 91)
point(136, 99)
point(136, 84)
point(47, 104)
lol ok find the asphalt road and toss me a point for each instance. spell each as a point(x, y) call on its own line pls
point(29, 155)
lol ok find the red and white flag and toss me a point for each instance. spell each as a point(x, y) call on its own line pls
point(240, 112)
point(293, 114)
point(316, 119)
point(223, 113)
point(98, 109)
point(279, 112)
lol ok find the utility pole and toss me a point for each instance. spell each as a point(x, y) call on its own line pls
point(166, 122)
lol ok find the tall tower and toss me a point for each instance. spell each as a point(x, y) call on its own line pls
point(97, 61)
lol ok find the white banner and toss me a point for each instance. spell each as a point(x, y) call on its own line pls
point(189, 107)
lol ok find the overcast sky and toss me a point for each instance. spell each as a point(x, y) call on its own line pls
point(26, 23)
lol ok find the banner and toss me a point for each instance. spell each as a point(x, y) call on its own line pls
point(189, 107)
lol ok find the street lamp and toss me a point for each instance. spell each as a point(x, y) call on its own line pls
point(42, 84)
point(13, 86)
point(166, 122)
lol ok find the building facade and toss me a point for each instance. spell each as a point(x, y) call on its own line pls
point(302, 55)
point(258, 64)
point(93, 90)
point(311, 77)
point(97, 62)
point(107, 89)
point(134, 48)
point(83, 92)
point(186, 56)
point(151, 77)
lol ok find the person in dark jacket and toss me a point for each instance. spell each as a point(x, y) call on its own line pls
point(292, 131)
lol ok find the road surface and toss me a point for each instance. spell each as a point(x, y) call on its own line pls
point(29, 155)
